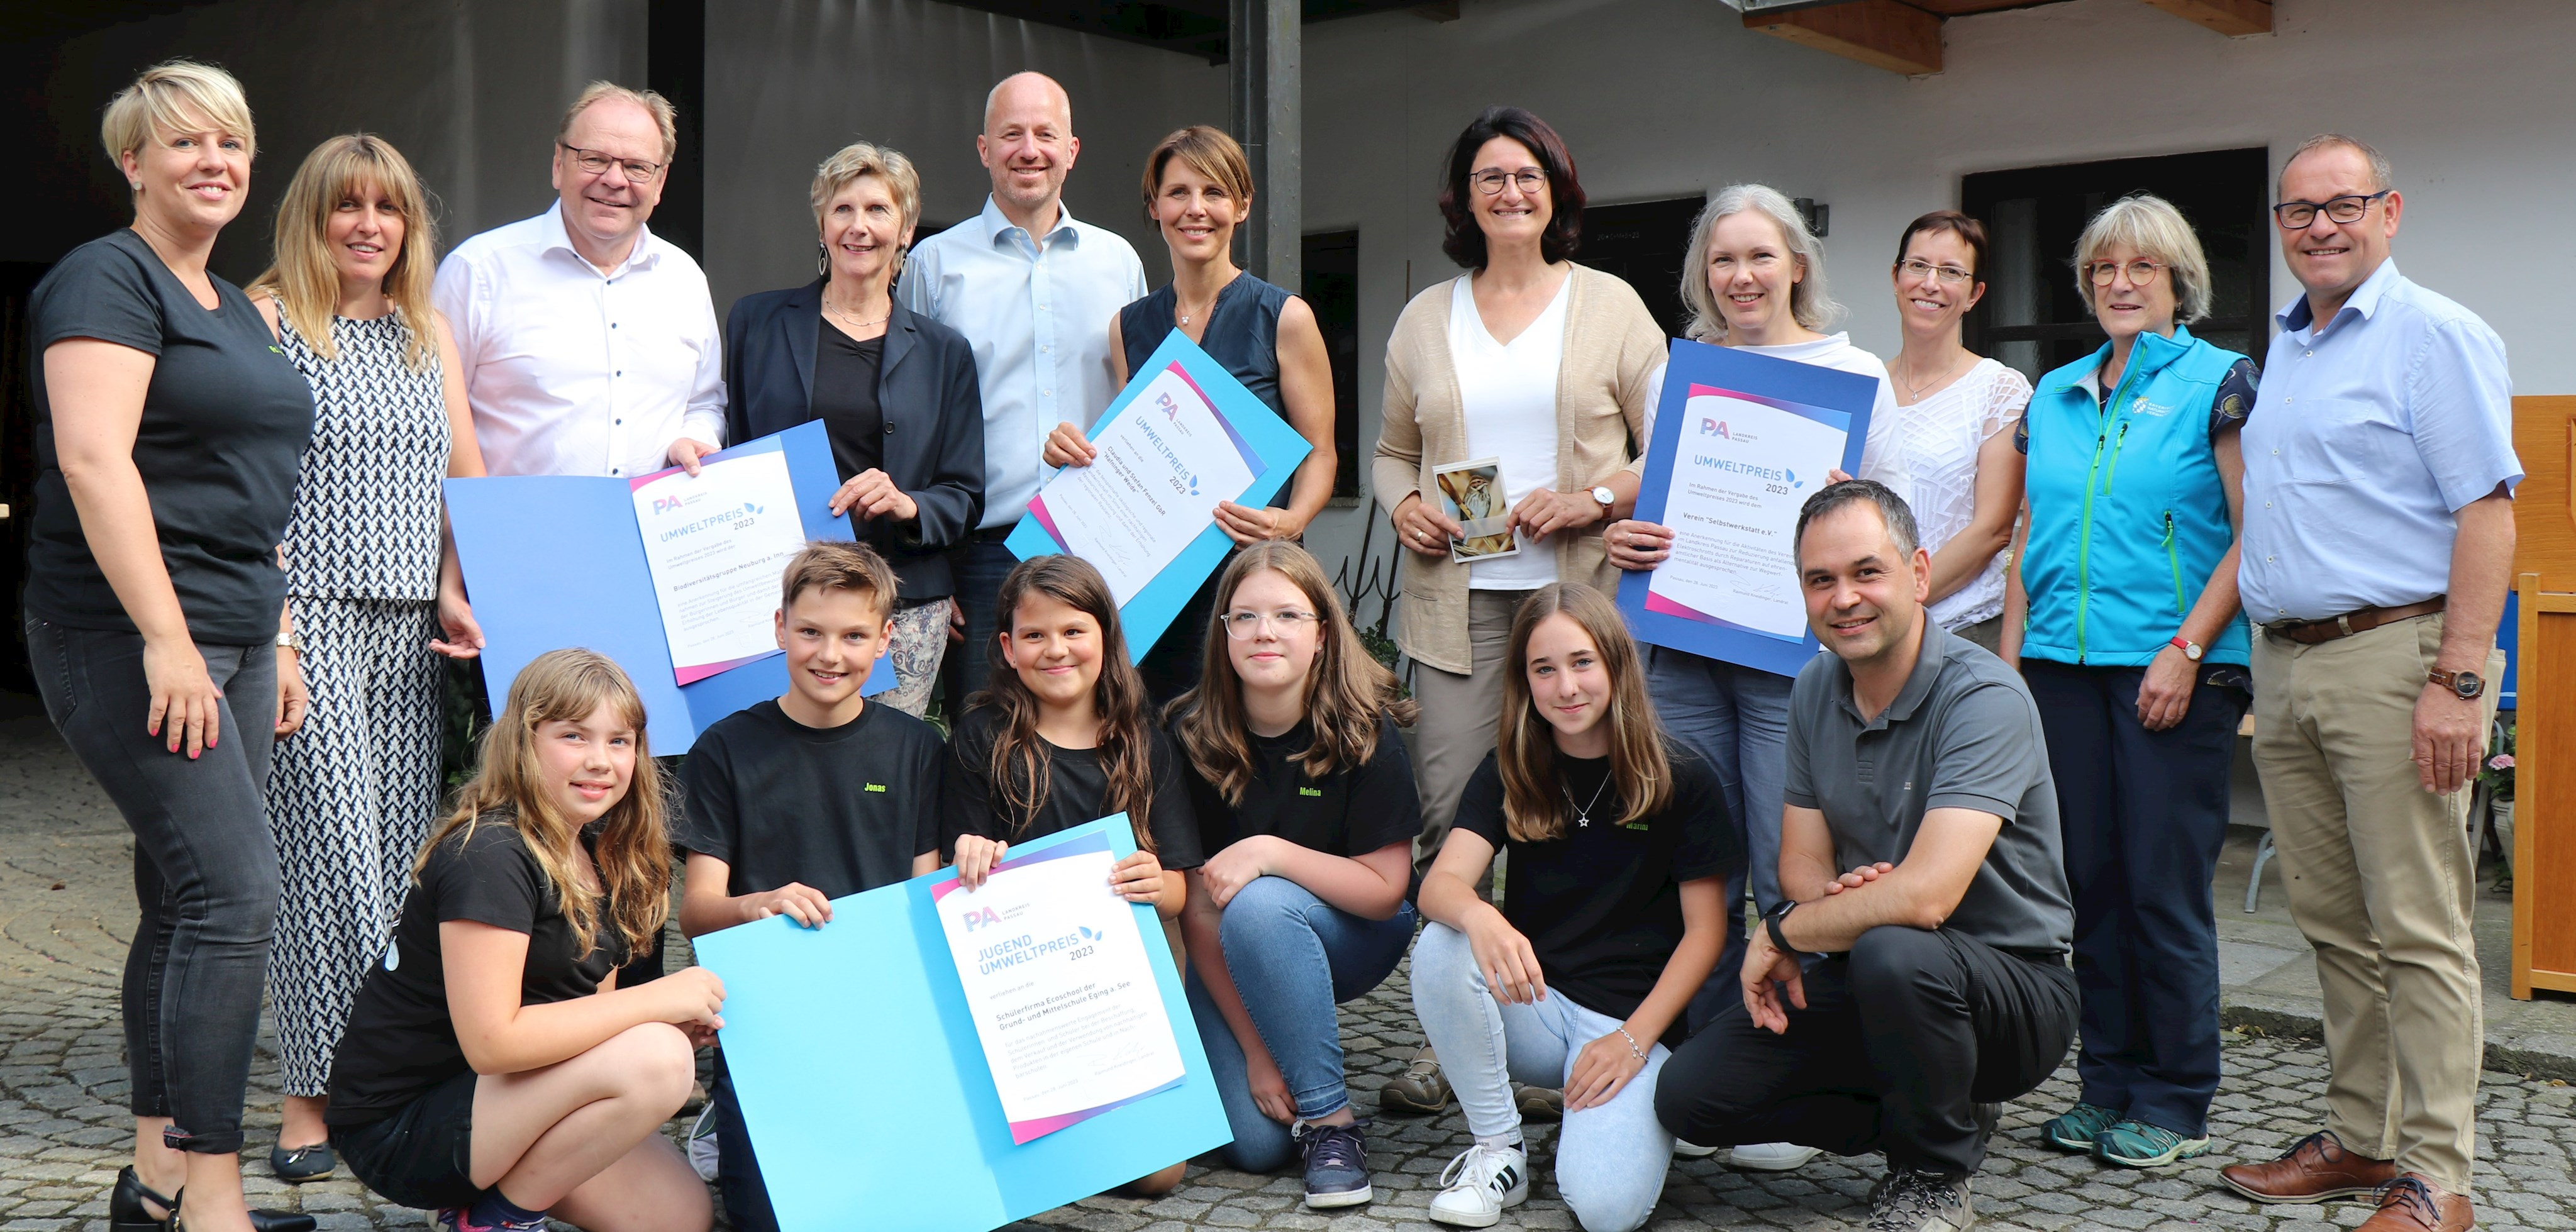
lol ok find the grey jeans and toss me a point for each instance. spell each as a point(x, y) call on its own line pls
point(205, 868)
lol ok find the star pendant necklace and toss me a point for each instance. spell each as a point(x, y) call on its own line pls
point(1583, 812)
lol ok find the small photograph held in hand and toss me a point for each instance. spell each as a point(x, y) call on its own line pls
point(1471, 493)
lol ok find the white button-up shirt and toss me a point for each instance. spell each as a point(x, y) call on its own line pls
point(1037, 314)
point(574, 372)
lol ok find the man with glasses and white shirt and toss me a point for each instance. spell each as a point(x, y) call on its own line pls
point(2379, 476)
point(590, 347)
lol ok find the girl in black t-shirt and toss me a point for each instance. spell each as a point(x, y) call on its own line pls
point(1062, 737)
point(1305, 797)
point(1619, 843)
point(492, 1070)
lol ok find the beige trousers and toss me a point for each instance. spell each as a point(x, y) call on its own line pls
point(2381, 878)
point(1459, 716)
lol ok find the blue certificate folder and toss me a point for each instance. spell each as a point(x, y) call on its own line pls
point(865, 1085)
point(1842, 399)
point(1278, 446)
point(553, 561)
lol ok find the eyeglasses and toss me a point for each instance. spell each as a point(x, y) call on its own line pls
point(1917, 268)
point(1490, 181)
point(636, 171)
point(2295, 215)
point(1243, 626)
point(2141, 272)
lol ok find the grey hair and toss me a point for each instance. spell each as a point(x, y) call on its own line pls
point(1892, 510)
point(2149, 224)
point(1809, 303)
point(2381, 177)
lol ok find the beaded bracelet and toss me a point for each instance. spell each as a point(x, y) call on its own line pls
point(1632, 1042)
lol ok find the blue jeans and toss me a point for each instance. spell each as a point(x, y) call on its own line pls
point(1738, 719)
point(1293, 957)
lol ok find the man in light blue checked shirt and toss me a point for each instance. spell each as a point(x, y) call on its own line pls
point(1033, 290)
point(2379, 475)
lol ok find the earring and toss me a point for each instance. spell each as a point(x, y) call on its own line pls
point(822, 260)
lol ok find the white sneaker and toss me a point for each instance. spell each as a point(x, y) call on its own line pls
point(1692, 1150)
point(1772, 1156)
point(1480, 1184)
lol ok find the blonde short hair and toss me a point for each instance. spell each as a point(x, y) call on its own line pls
point(1809, 304)
point(161, 100)
point(865, 158)
point(665, 116)
point(2151, 226)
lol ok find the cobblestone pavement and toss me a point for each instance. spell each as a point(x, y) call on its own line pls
point(66, 906)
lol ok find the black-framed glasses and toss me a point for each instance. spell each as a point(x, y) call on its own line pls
point(1243, 626)
point(2295, 215)
point(2141, 271)
point(1490, 180)
point(636, 170)
point(1917, 268)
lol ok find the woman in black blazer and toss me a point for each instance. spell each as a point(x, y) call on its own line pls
point(896, 393)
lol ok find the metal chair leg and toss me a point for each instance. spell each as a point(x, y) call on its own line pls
point(2254, 884)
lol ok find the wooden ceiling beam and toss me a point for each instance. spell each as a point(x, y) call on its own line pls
point(2233, 18)
point(1880, 33)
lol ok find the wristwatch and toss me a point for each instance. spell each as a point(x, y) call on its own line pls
point(2468, 685)
point(1779, 938)
point(2189, 648)
point(1607, 498)
point(286, 640)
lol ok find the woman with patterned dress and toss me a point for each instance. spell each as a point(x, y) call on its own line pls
point(372, 582)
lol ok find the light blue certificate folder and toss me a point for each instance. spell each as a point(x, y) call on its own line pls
point(1276, 445)
point(865, 1086)
point(555, 561)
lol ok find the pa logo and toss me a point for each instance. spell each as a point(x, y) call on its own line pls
point(980, 918)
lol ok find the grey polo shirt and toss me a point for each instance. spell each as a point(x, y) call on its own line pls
point(1963, 733)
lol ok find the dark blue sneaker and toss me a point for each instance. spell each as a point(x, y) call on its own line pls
point(1336, 1165)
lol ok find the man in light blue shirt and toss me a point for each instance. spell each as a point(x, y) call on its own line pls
point(2379, 474)
point(1034, 291)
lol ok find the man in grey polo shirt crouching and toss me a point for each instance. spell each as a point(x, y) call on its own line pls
point(1938, 962)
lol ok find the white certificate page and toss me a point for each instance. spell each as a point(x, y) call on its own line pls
point(1062, 991)
point(1162, 468)
point(1742, 470)
point(716, 542)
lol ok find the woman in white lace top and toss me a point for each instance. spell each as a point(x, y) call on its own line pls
point(1955, 411)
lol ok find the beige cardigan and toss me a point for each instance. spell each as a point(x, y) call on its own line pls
point(1612, 345)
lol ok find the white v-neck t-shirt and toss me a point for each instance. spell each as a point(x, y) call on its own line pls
point(1508, 394)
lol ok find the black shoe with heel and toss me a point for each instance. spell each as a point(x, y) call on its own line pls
point(126, 1211)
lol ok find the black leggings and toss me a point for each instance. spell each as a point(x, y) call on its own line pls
point(205, 868)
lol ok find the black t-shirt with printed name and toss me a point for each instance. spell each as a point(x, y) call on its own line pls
point(1350, 812)
point(1077, 791)
point(842, 809)
point(400, 1040)
point(1602, 905)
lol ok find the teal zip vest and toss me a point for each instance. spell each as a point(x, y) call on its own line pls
point(2127, 514)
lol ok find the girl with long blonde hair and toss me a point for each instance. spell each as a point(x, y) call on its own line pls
point(492, 1071)
point(373, 585)
point(1305, 796)
point(1619, 846)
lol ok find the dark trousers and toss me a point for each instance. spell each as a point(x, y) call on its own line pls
point(738, 1180)
point(1171, 668)
point(2144, 814)
point(1900, 1041)
point(978, 565)
point(205, 868)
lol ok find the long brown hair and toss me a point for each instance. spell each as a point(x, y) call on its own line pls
point(304, 282)
point(1346, 688)
point(1533, 799)
point(1017, 764)
point(633, 853)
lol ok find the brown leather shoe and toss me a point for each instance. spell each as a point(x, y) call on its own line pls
point(2413, 1203)
point(2316, 1168)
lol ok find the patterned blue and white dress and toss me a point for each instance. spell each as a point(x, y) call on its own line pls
point(350, 797)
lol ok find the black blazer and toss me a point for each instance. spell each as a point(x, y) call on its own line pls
point(934, 417)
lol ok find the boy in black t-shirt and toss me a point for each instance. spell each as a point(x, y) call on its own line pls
point(795, 802)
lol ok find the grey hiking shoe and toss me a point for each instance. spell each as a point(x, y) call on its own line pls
point(1912, 1201)
point(1420, 1088)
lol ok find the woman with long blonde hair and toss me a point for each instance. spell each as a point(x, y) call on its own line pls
point(1619, 847)
point(492, 1071)
point(1305, 797)
point(373, 586)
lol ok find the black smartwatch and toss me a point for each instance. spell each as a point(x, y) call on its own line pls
point(1779, 937)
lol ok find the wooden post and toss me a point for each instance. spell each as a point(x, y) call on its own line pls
point(2544, 859)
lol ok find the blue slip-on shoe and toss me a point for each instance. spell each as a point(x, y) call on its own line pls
point(2075, 1128)
point(1336, 1165)
point(2136, 1144)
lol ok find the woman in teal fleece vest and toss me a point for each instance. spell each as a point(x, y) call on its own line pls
point(2122, 615)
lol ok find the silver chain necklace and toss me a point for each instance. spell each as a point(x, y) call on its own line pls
point(1583, 812)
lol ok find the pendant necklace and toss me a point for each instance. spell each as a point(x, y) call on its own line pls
point(1583, 812)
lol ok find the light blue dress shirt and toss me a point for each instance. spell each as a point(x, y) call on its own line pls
point(2365, 442)
point(1038, 316)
